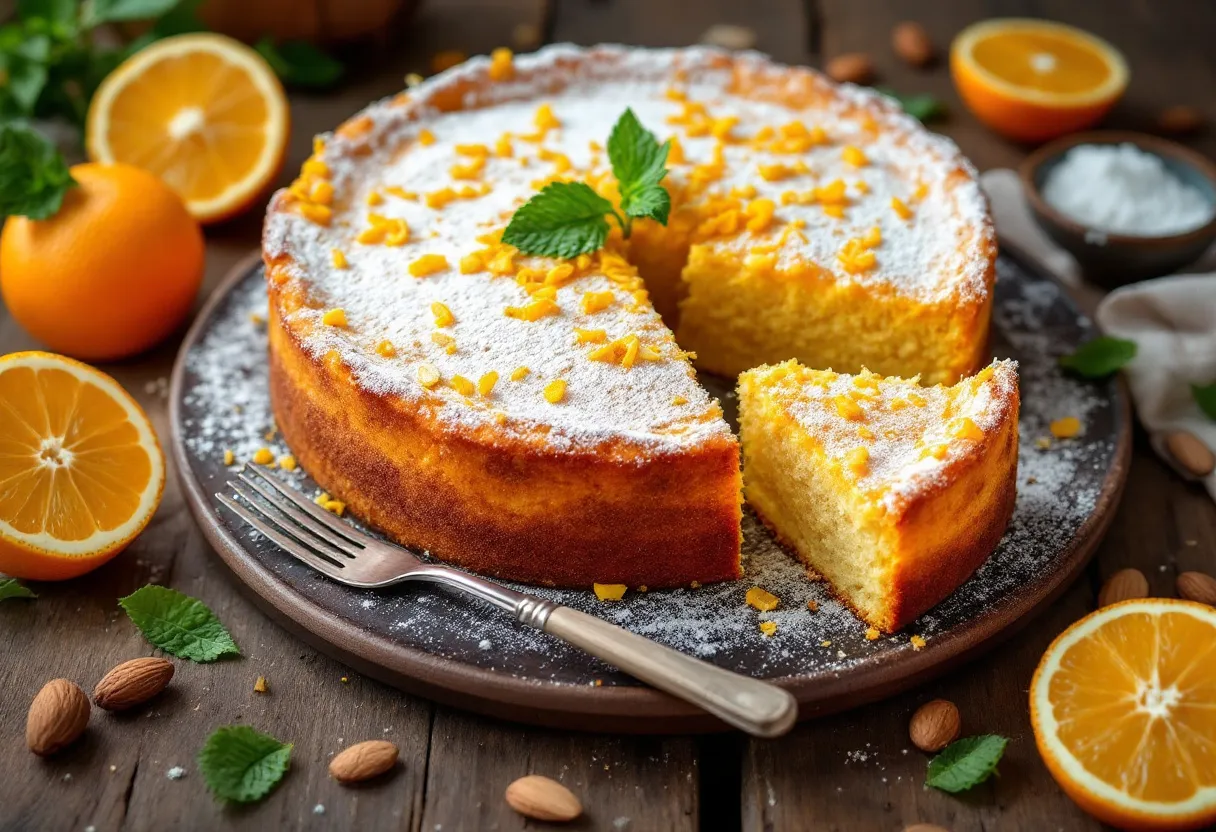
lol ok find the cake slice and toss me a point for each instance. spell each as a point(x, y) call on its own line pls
point(892, 492)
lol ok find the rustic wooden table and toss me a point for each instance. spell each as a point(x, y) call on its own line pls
point(855, 771)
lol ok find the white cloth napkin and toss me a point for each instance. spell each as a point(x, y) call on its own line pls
point(1171, 319)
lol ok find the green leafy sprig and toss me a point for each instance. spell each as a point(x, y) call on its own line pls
point(33, 176)
point(1100, 357)
point(966, 763)
point(178, 624)
point(12, 588)
point(242, 765)
point(569, 218)
point(1205, 397)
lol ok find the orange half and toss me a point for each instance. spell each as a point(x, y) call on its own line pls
point(1034, 80)
point(1123, 706)
point(203, 112)
point(81, 472)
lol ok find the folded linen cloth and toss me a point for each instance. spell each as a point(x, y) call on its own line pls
point(1171, 319)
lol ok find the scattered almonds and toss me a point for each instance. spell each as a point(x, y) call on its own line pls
point(935, 725)
point(851, 68)
point(1180, 120)
point(1123, 586)
point(540, 798)
point(132, 683)
point(363, 761)
point(58, 716)
point(1196, 586)
point(1191, 454)
point(911, 43)
point(729, 36)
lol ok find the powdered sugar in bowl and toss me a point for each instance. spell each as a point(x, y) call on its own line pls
point(1127, 206)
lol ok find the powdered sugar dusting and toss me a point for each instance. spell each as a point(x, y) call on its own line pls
point(1058, 487)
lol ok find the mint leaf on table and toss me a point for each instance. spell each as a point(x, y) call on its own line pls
point(12, 588)
point(242, 765)
point(921, 106)
point(966, 763)
point(565, 219)
point(1205, 397)
point(178, 624)
point(639, 164)
point(1100, 357)
point(33, 176)
point(112, 11)
point(300, 63)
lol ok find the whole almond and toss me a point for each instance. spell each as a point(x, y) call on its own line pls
point(1123, 586)
point(132, 683)
point(1196, 586)
point(58, 716)
point(540, 798)
point(851, 68)
point(363, 761)
point(934, 725)
point(1191, 454)
point(1179, 120)
point(911, 43)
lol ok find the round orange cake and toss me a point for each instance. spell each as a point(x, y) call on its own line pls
point(537, 419)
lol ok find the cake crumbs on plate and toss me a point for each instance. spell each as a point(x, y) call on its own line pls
point(917, 642)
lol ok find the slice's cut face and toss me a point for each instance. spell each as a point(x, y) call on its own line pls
point(850, 471)
point(1123, 707)
point(80, 469)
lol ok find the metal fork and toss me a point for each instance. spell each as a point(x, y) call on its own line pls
point(319, 539)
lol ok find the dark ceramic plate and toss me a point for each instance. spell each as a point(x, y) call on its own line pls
point(458, 651)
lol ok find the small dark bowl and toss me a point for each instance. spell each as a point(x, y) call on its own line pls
point(1121, 258)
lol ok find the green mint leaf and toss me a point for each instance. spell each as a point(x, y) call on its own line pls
point(300, 63)
point(1100, 357)
point(241, 764)
point(966, 763)
point(61, 12)
point(178, 624)
point(12, 588)
point(1205, 397)
point(33, 176)
point(922, 107)
point(639, 164)
point(112, 11)
point(565, 219)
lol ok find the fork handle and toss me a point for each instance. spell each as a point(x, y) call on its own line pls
point(757, 707)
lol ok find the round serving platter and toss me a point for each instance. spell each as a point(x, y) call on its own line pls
point(426, 641)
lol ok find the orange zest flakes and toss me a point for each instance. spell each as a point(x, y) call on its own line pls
point(287, 462)
point(426, 137)
point(428, 264)
point(609, 592)
point(768, 628)
point(502, 64)
point(334, 317)
point(442, 339)
point(443, 315)
point(917, 642)
point(462, 385)
point(545, 119)
point(855, 258)
point(901, 208)
point(385, 349)
point(533, 311)
point(965, 428)
point(503, 148)
point(858, 461)
point(761, 599)
point(263, 456)
point(760, 214)
point(590, 336)
point(473, 150)
point(440, 198)
point(848, 409)
point(555, 391)
point(872, 634)
point(391, 231)
point(678, 401)
point(447, 59)
point(1066, 428)
point(339, 259)
point(922, 191)
point(330, 504)
point(872, 238)
point(938, 451)
point(593, 302)
point(775, 172)
point(374, 198)
point(472, 263)
point(519, 373)
point(833, 193)
point(624, 351)
point(400, 192)
point(471, 169)
point(916, 399)
point(317, 214)
point(322, 192)
point(229, 458)
point(675, 155)
point(854, 156)
point(485, 384)
point(428, 376)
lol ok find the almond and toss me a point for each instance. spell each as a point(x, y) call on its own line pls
point(911, 43)
point(1123, 586)
point(1179, 120)
point(540, 798)
point(363, 761)
point(58, 716)
point(132, 683)
point(1196, 586)
point(1190, 453)
point(851, 68)
point(934, 725)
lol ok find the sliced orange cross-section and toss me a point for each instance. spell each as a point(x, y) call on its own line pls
point(81, 472)
point(1123, 707)
point(203, 112)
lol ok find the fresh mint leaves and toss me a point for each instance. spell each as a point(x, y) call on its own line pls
point(300, 63)
point(966, 763)
point(921, 106)
point(33, 176)
point(178, 624)
point(1205, 397)
point(12, 588)
point(242, 765)
point(1100, 357)
point(569, 218)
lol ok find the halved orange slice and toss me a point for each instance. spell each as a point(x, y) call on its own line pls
point(81, 472)
point(1033, 80)
point(1123, 706)
point(203, 112)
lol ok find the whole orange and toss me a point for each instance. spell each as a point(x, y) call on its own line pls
point(112, 273)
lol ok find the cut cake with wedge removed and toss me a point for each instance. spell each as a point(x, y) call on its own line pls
point(892, 492)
